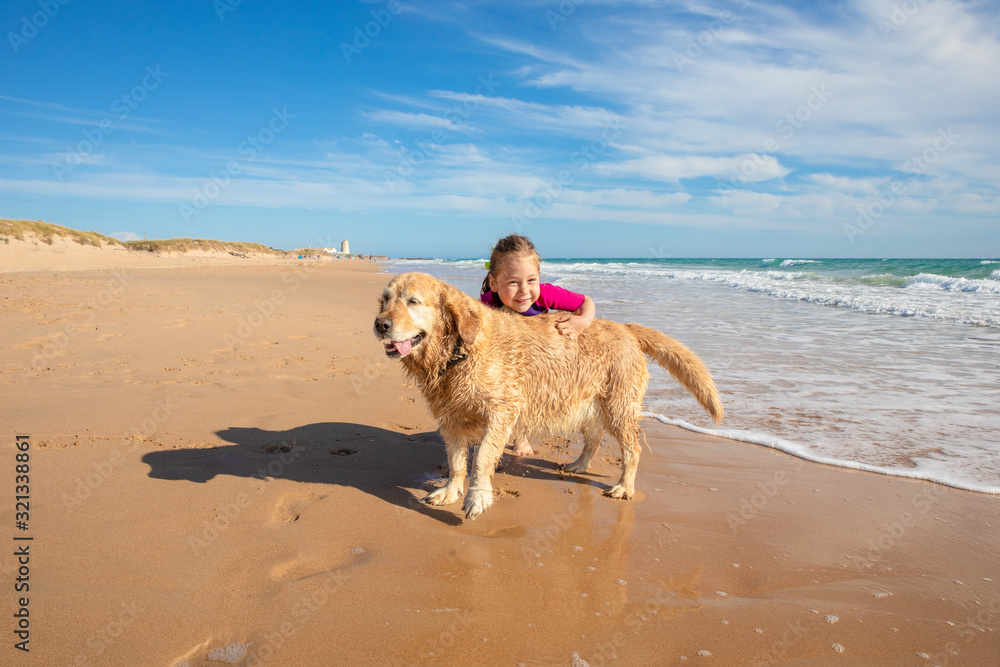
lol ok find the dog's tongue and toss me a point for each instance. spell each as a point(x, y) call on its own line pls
point(403, 347)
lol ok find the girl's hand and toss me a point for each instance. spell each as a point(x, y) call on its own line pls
point(573, 324)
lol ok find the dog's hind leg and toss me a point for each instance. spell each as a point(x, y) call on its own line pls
point(626, 432)
point(592, 434)
point(480, 495)
point(622, 408)
point(457, 445)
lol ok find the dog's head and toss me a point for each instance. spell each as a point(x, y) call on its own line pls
point(418, 312)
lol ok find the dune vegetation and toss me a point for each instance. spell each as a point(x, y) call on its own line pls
point(46, 232)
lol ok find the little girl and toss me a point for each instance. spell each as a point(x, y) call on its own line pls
point(513, 282)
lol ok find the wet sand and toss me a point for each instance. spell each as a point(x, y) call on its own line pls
point(225, 469)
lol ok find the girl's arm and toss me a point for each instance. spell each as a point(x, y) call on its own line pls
point(575, 323)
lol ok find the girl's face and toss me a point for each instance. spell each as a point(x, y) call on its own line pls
point(516, 282)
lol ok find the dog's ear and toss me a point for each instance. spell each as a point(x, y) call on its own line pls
point(460, 310)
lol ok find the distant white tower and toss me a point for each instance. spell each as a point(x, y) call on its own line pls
point(344, 248)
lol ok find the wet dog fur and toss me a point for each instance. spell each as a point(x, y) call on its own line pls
point(490, 374)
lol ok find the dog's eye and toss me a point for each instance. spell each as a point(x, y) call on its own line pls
point(414, 302)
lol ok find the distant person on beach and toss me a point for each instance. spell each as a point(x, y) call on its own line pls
point(513, 281)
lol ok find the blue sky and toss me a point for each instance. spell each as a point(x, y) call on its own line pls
point(624, 129)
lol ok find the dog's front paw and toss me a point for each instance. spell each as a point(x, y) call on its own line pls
point(576, 467)
point(446, 495)
point(619, 491)
point(477, 502)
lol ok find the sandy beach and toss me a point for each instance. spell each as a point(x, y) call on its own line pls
point(226, 469)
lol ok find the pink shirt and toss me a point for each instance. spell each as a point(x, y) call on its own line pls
point(550, 297)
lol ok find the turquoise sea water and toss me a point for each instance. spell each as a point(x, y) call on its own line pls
point(885, 364)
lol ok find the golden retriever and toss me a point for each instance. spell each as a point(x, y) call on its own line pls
point(490, 374)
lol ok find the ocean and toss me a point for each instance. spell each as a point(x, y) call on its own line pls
point(891, 365)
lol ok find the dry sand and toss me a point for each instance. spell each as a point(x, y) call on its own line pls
point(225, 469)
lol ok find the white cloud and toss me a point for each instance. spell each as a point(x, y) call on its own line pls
point(420, 121)
point(752, 168)
point(564, 119)
point(845, 184)
point(625, 198)
point(743, 202)
point(973, 203)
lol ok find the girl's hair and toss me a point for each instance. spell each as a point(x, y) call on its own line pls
point(515, 244)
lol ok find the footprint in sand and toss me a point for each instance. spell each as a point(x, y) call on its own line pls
point(37, 343)
point(290, 507)
point(184, 660)
point(305, 566)
point(400, 427)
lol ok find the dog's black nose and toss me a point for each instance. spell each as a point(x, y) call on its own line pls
point(383, 324)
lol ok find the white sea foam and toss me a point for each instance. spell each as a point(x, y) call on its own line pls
point(803, 452)
point(949, 284)
point(767, 262)
point(796, 262)
point(925, 295)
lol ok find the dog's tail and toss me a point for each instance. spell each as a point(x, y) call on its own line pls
point(683, 364)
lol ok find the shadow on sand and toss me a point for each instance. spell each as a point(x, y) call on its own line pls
point(380, 462)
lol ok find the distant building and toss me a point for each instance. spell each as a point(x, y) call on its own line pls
point(344, 248)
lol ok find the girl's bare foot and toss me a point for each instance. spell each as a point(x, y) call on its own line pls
point(522, 447)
